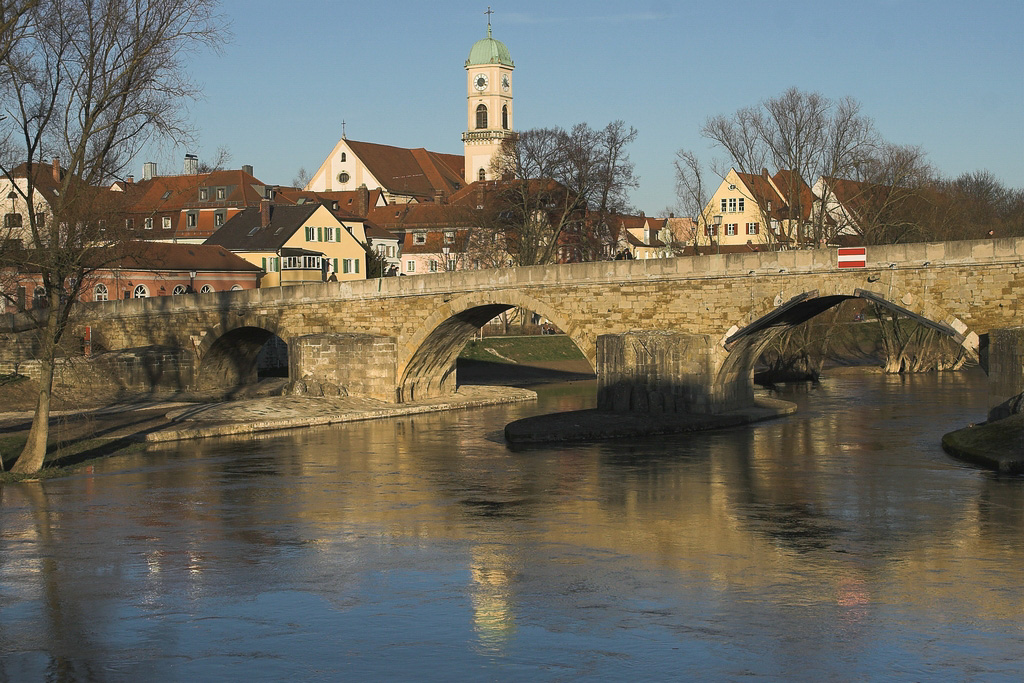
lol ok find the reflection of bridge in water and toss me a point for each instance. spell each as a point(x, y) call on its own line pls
point(397, 338)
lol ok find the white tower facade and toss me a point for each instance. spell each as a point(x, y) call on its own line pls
point(488, 105)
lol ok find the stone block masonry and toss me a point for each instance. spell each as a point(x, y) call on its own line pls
point(661, 372)
point(1005, 372)
point(360, 364)
point(973, 287)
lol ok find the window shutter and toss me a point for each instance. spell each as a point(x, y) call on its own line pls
point(319, 234)
point(264, 264)
point(335, 265)
point(757, 228)
point(337, 234)
point(357, 265)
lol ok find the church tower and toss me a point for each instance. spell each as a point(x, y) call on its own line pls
point(488, 104)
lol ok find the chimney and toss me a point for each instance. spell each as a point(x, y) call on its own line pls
point(149, 170)
point(764, 172)
point(130, 179)
point(191, 164)
point(56, 169)
point(363, 200)
point(247, 169)
point(264, 213)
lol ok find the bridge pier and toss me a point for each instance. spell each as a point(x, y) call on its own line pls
point(363, 364)
point(1005, 372)
point(657, 371)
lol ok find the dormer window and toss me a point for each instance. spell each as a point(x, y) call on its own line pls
point(449, 237)
point(167, 195)
point(221, 192)
point(419, 238)
point(204, 194)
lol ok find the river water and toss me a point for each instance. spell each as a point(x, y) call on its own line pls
point(839, 543)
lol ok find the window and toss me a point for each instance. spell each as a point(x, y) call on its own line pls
point(419, 238)
point(192, 220)
point(236, 288)
point(221, 192)
point(204, 194)
point(410, 266)
point(433, 266)
point(41, 220)
point(752, 228)
point(311, 262)
point(343, 157)
point(724, 204)
point(167, 195)
point(206, 289)
point(740, 202)
point(504, 117)
point(129, 224)
point(449, 237)
point(481, 116)
point(149, 224)
point(451, 264)
point(167, 223)
point(310, 233)
point(178, 289)
point(39, 298)
point(218, 219)
point(141, 292)
point(730, 228)
point(482, 175)
point(99, 293)
point(710, 230)
point(732, 205)
point(12, 220)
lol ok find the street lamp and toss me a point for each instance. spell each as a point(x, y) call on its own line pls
point(718, 235)
point(445, 251)
point(191, 281)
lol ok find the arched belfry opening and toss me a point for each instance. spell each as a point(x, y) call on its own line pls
point(481, 116)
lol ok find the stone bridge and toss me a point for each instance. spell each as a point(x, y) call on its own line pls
point(397, 339)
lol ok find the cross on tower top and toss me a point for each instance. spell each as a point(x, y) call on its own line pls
point(489, 12)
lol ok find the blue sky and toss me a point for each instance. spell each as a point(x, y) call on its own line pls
point(948, 76)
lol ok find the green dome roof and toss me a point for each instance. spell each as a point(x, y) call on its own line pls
point(489, 51)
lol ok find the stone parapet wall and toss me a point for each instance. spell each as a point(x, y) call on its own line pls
point(136, 370)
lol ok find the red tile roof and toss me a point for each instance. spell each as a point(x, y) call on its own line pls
point(414, 172)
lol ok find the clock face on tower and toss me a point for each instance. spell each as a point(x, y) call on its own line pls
point(505, 83)
point(480, 82)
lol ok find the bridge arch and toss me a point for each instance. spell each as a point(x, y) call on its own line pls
point(742, 346)
point(227, 353)
point(426, 364)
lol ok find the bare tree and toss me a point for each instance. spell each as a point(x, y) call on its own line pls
point(558, 190)
point(91, 83)
point(219, 161)
point(694, 194)
point(301, 178)
point(806, 135)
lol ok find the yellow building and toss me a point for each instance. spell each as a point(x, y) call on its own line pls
point(755, 211)
point(297, 244)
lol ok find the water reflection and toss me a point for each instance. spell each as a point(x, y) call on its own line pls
point(837, 543)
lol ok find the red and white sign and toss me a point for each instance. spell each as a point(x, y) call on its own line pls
point(853, 257)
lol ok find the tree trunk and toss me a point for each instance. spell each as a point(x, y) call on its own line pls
point(31, 459)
